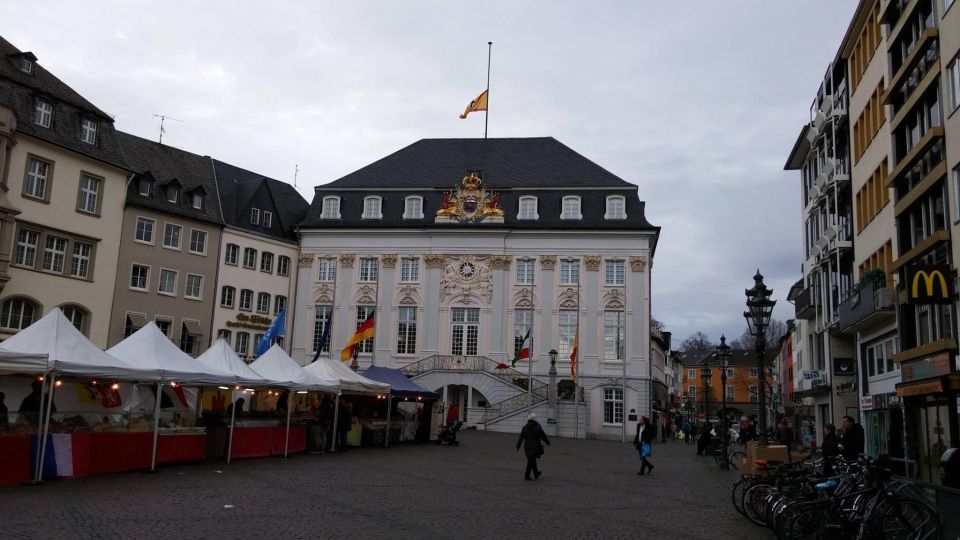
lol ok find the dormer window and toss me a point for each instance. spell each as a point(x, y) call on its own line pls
point(25, 65)
point(43, 113)
point(267, 219)
point(413, 207)
point(196, 200)
point(371, 207)
point(173, 193)
point(331, 208)
point(143, 187)
point(571, 208)
point(88, 131)
point(528, 208)
point(616, 207)
point(254, 216)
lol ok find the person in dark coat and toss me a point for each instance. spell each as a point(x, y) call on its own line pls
point(831, 444)
point(785, 434)
point(851, 438)
point(645, 435)
point(4, 413)
point(530, 437)
point(30, 406)
point(704, 441)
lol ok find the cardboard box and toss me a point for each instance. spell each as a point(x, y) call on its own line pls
point(751, 446)
point(777, 453)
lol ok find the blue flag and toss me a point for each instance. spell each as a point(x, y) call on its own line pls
point(323, 337)
point(276, 329)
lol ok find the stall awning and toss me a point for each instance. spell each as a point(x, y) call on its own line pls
point(193, 327)
point(400, 385)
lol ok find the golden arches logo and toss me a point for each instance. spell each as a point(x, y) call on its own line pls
point(929, 281)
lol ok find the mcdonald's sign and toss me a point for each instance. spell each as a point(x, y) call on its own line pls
point(929, 284)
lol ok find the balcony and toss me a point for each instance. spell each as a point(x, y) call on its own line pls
point(807, 304)
point(871, 306)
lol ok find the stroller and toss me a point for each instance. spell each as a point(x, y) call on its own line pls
point(450, 434)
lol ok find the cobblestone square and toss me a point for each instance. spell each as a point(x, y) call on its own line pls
point(589, 489)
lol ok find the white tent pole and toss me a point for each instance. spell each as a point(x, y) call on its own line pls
point(386, 440)
point(233, 415)
point(43, 395)
point(156, 426)
point(286, 442)
point(46, 426)
point(336, 416)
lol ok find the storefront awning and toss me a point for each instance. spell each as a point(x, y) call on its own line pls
point(929, 386)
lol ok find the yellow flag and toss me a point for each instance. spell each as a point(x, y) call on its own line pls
point(479, 104)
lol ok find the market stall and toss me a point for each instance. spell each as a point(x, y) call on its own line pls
point(409, 405)
point(366, 399)
point(15, 441)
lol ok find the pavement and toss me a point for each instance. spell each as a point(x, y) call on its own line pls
point(589, 489)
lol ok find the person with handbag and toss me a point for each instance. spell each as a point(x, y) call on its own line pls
point(530, 437)
point(643, 441)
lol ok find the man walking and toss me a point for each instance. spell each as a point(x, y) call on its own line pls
point(530, 437)
point(851, 438)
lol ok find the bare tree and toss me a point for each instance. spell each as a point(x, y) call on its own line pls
point(698, 342)
point(773, 333)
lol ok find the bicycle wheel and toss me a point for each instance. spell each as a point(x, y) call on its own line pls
point(805, 522)
point(735, 457)
point(736, 495)
point(754, 502)
point(905, 519)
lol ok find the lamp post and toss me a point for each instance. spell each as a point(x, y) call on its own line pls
point(759, 310)
point(553, 375)
point(705, 376)
point(723, 359)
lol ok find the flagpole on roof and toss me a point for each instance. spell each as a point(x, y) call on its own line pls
point(623, 390)
point(530, 360)
point(486, 112)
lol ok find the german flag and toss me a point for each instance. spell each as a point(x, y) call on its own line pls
point(479, 104)
point(573, 354)
point(364, 332)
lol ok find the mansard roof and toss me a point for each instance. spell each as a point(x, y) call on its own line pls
point(242, 190)
point(19, 91)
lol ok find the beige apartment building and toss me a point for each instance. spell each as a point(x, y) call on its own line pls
point(63, 186)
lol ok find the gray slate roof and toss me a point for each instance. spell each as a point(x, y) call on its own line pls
point(241, 190)
point(19, 91)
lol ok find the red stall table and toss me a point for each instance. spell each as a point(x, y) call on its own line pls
point(298, 439)
point(108, 452)
point(181, 445)
point(15, 460)
point(252, 442)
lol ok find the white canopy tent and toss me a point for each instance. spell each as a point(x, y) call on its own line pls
point(350, 381)
point(15, 363)
point(221, 357)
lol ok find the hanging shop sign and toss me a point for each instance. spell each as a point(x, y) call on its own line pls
point(925, 368)
point(929, 284)
point(866, 403)
point(812, 375)
point(843, 366)
point(251, 322)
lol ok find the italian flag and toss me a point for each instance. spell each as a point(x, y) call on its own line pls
point(524, 353)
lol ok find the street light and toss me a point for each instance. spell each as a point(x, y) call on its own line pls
point(759, 310)
point(553, 357)
point(705, 376)
point(723, 360)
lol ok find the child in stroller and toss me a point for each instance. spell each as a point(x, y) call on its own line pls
point(450, 434)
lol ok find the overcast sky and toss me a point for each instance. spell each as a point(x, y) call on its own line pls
point(697, 102)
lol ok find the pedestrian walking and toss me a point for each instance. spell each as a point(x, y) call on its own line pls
point(785, 434)
point(530, 437)
point(851, 438)
point(831, 444)
point(646, 433)
point(687, 432)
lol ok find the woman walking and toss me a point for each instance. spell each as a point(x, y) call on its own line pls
point(643, 441)
point(530, 437)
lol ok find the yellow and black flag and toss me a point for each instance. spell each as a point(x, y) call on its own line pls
point(479, 104)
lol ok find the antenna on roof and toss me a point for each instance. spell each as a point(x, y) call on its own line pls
point(296, 169)
point(162, 119)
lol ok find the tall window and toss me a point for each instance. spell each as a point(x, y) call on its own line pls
point(263, 302)
point(366, 346)
point(731, 392)
point(466, 331)
point(171, 235)
point(168, 282)
point(173, 193)
point(413, 207)
point(43, 113)
point(255, 216)
point(246, 300)
point(89, 194)
point(165, 326)
point(568, 328)
point(692, 392)
point(614, 272)
point(331, 208)
point(188, 341)
point(409, 269)
point(225, 335)
point(143, 187)
point(321, 320)
point(226, 296)
point(614, 338)
point(88, 131)
point(613, 406)
point(198, 242)
point(196, 200)
point(528, 208)
point(27, 247)
point(571, 208)
point(267, 221)
point(232, 255)
point(249, 258)
point(616, 207)
point(522, 323)
point(368, 269)
point(327, 269)
point(144, 230)
point(266, 262)
point(76, 316)
point(139, 277)
point(953, 86)
point(569, 272)
point(193, 287)
point(525, 271)
point(753, 373)
point(80, 265)
point(407, 330)
point(242, 345)
point(279, 304)
point(17, 313)
point(54, 254)
point(283, 265)
point(37, 174)
point(371, 208)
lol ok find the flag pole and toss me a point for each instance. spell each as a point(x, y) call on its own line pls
point(576, 365)
point(486, 113)
point(376, 304)
point(530, 361)
point(623, 391)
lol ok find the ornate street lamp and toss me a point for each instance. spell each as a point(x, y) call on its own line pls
point(723, 360)
point(705, 376)
point(759, 310)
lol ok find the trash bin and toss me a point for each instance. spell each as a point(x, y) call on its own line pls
point(950, 468)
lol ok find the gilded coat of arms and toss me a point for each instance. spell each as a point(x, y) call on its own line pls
point(470, 202)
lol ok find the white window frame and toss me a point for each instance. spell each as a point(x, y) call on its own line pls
point(26, 253)
point(730, 373)
point(43, 113)
point(283, 265)
point(235, 260)
point(228, 296)
point(567, 270)
point(81, 261)
point(141, 183)
point(522, 322)
point(325, 211)
point(407, 330)
point(196, 200)
point(153, 230)
point(465, 331)
point(565, 214)
point(242, 345)
point(88, 196)
point(956, 186)
point(37, 179)
point(266, 260)
point(372, 213)
point(953, 82)
point(321, 318)
point(175, 191)
point(170, 226)
point(616, 213)
point(610, 397)
point(413, 213)
point(409, 269)
point(691, 374)
point(243, 262)
point(566, 332)
point(752, 373)
point(204, 235)
point(186, 287)
point(173, 290)
point(263, 300)
point(692, 392)
point(327, 269)
point(267, 220)
point(614, 336)
point(731, 392)
point(526, 271)
point(255, 216)
point(534, 214)
point(369, 270)
point(88, 130)
point(55, 256)
point(365, 347)
point(249, 295)
point(614, 272)
point(279, 303)
point(146, 279)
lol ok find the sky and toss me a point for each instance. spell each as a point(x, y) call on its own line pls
point(697, 102)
